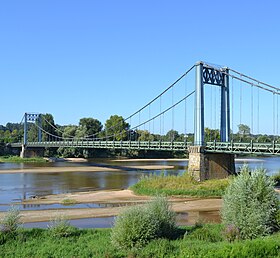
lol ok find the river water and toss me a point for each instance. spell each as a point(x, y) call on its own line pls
point(19, 186)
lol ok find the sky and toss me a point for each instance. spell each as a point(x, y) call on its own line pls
point(92, 58)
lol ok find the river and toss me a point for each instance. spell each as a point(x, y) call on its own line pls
point(18, 186)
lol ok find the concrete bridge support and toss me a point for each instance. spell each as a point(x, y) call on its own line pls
point(31, 152)
point(203, 166)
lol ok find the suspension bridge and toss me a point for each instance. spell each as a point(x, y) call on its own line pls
point(205, 96)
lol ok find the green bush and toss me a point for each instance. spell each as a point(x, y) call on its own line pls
point(208, 232)
point(251, 204)
point(138, 225)
point(160, 209)
point(276, 178)
point(60, 227)
point(11, 221)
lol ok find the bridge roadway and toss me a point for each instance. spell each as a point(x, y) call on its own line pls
point(272, 148)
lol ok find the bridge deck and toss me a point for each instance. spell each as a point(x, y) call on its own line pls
point(211, 147)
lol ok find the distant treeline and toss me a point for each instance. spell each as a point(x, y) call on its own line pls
point(115, 128)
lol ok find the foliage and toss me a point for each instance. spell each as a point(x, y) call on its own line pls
point(116, 128)
point(208, 232)
point(90, 126)
point(211, 134)
point(48, 125)
point(251, 204)
point(69, 131)
point(11, 221)
point(138, 225)
point(144, 135)
point(180, 185)
point(60, 227)
point(243, 129)
point(96, 243)
point(68, 202)
point(17, 159)
point(276, 178)
point(231, 233)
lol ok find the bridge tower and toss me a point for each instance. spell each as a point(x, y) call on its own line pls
point(30, 118)
point(216, 77)
point(202, 165)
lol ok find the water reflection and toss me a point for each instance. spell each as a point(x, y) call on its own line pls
point(190, 218)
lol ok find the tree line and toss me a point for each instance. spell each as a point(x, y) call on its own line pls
point(115, 128)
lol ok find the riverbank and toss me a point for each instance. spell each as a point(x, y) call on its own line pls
point(185, 206)
point(97, 168)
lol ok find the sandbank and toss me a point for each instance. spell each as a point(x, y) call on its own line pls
point(82, 169)
point(123, 197)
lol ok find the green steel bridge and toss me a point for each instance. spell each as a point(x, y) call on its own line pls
point(222, 78)
point(212, 147)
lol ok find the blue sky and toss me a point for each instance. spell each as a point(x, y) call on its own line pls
point(94, 58)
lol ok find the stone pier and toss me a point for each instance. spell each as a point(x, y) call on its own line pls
point(203, 166)
point(31, 152)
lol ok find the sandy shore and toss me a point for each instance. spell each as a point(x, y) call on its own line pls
point(122, 197)
point(139, 160)
point(82, 169)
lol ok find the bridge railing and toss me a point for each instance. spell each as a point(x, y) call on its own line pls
point(136, 145)
point(252, 147)
point(272, 148)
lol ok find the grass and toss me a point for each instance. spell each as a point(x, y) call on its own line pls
point(17, 159)
point(68, 202)
point(180, 185)
point(196, 241)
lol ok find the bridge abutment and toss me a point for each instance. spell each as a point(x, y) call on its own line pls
point(203, 166)
point(31, 153)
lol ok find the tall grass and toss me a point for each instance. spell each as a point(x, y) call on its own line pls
point(11, 221)
point(180, 185)
point(199, 241)
point(17, 159)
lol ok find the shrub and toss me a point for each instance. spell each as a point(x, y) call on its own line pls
point(205, 232)
point(251, 204)
point(69, 202)
point(160, 209)
point(276, 178)
point(11, 221)
point(231, 233)
point(60, 227)
point(138, 225)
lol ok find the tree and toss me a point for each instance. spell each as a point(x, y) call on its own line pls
point(69, 131)
point(144, 135)
point(211, 134)
point(13, 126)
point(48, 125)
point(116, 128)
point(89, 127)
point(172, 135)
point(244, 129)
